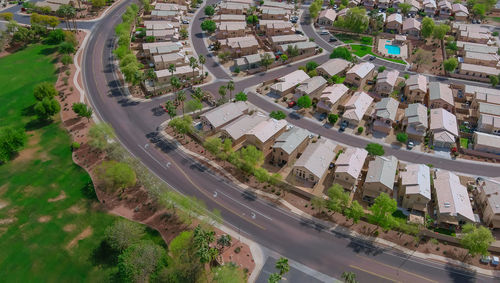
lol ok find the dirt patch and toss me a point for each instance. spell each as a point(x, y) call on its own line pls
point(84, 234)
point(69, 228)
point(3, 204)
point(44, 219)
point(76, 209)
point(7, 220)
point(61, 196)
point(32, 150)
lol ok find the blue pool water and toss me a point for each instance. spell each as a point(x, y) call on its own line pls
point(393, 49)
point(388, 41)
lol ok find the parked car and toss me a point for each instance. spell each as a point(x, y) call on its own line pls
point(410, 145)
point(372, 58)
point(343, 125)
point(299, 32)
point(495, 261)
point(322, 116)
point(324, 32)
point(186, 22)
point(485, 259)
point(291, 104)
point(370, 82)
point(333, 39)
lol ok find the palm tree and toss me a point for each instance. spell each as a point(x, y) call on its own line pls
point(223, 241)
point(72, 15)
point(193, 63)
point(62, 12)
point(151, 75)
point(222, 91)
point(274, 278)
point(198, 93)
point(171, 69)
point(169, 105)
point(202, 61)
point(282, 265)
point(181, 97)
point(175, 82)
point(230, 87)
point(349, 277)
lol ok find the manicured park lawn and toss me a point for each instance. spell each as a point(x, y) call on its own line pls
point(36, 235)
point(362, 50)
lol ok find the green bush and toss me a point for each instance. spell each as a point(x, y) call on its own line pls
point(75, 146)
point(360, 130)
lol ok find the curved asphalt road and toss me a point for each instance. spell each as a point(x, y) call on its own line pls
point(298, 239)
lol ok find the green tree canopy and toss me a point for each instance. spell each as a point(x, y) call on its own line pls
point(304, 102)
point(341, 52)
point(99, 135)
point(476, 239)
point(123, 233)
point(355, 211)
point(277, 114)
point(12, 140)
point(47, 108)
point(427, 27)
point(209, 10)
point(440, 31)
point(375, 149)
point(494, 81)
point(355, 20)
point(116, 175)
point(332, 118)
point(382, 211)
point(208, 26)
point(140, 261)
point(338, 199)
point(402, 137)
point(213, 145)
point(241, 96)
point(251, 156)
point(450, 64)
point(82, 110)
point(44, 90)
point(311, 65)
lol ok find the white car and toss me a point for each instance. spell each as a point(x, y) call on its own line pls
point(324, 32)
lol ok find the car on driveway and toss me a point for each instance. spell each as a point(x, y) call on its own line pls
point(332, 39)
point(495, 261)
point(324, 32)
point(343, 125)
point(291, 104)
point(372, 58)
point(410, 145)
point(485, 259)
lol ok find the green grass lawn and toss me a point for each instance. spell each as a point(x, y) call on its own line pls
point(351, 38)
point(35, 244)
point(496, 19)
point(361, 50)
point(464, 143)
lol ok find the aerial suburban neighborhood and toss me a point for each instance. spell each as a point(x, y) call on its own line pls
point(250, 141)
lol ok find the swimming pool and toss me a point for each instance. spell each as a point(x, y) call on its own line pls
point(393, 49)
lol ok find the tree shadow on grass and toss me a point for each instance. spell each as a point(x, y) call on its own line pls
point(104, 255)
point(48, 50)
point(28, 111)
point(36, 124)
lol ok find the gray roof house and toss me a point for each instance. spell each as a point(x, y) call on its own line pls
point(380, 176)
point(311, 87)
point(290, 140)
point(314, 162)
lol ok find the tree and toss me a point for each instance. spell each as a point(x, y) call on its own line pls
point(382, 211)
point(338, 199)
point(375, 149)
point(479, 10)
point(116, 175)
point(182, 125)
point(355, 211)
point(266, 60)
point(223, 241)
point(223, 91)
point(44, 90)
point(230, 87)
point(278, 115)
point(494, 81)
point(175, 82)
point(82, 110)
point(208, 26)
point(66, 48)
point(284, 58)
point(314, 8)
point(332, 118)
point(209, 10)
point(181, 97)
point(241, 96)
point(123, 234)
point(252, 19)
point(422, 57)
point(193, 105)
point(185, 266)
point(7, 16)
point(56, 36)
point(405, 8)
point(170, 108)
point(274, 278)
point(12, 140)
point(381, 69)
point(292, 50)
point(213, 145)
point(99, 136)
point(171, 69)
point(304, 102)
point(193, 63)
point(350, 277)
point(282, 266)
point(47, 108)
point(427, 27)
point(202, 61)
point(355, 20)
point(140, 261)
point(184, 33)
point(402, 137)
point(440, 31)
point(318, 203)
point(251, 156)
point(450, 64)
point(311, 65)
point(341, 52)
point(202, 239)
point(476, 240)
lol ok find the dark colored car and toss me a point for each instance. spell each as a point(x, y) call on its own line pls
point(291, 104)
point(343, 125)
point(372, 58)
point(333, 39)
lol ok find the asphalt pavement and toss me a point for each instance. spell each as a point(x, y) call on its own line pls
point(302, 240)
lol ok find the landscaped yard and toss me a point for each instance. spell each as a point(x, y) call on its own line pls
point(464, 143)
point(50, 229)
point(351, 38)
point(362, 50)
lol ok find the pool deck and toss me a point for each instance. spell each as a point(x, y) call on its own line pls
point(381, 48)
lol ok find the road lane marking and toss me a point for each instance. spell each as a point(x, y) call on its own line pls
point(200, 189)
point(398, 269)
point(260, 213)
point(373, 273)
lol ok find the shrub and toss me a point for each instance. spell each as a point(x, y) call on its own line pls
point(75, 146)
point(360, 130)
point(332, 118)
point(402, 137)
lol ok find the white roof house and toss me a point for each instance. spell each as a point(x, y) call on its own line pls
point(441, 91)
point(417, 180)
point(310, 86)
point(317, 157)
point(362, 70)
point(388, 77)
point(382, 170)
point(331, 95)
point(224, 113)
point(333, 67)
point(417, 82)
point(443, 126)
point(452, 198)
point(328, 14)
point(289, 81)
point(264, 130)
point(395, 18)
point(239, 127)
point(351, 161)
point(357, 106)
